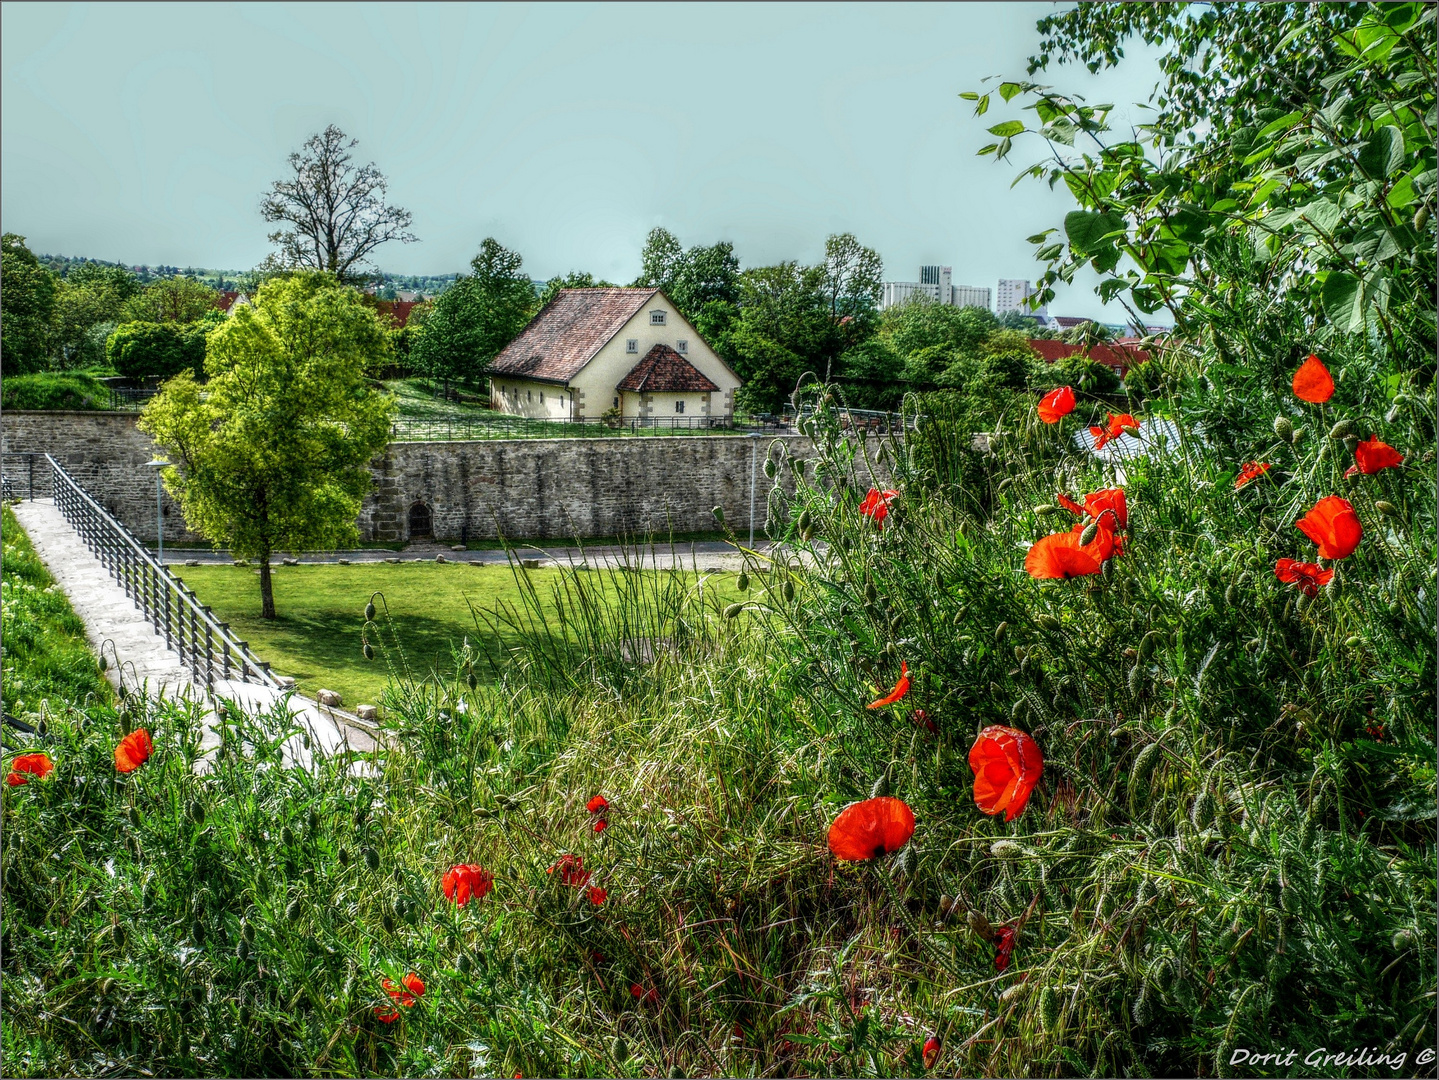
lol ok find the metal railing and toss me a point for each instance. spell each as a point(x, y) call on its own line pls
point(204, 643)
point(445, 429)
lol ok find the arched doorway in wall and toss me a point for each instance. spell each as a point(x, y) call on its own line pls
point(421, 522)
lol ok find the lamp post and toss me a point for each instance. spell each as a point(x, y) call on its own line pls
point(157, 464)
point(753, 457)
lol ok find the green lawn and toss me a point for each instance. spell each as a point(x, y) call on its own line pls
point(316, 637)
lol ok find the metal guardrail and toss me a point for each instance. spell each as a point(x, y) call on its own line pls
point(126, 399)
point(509, 427)
point(189, 627)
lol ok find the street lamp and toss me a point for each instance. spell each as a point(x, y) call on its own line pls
point(753, 456)
point(157, 464)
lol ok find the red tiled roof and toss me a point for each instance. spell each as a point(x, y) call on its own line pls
point(568, 331)
point(1117, 355)
point(1070, 321)
point(664, 371)
point(226, 300)
point(397, 310)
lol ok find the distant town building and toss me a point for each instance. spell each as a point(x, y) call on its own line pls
point(1012, 296)
point(1119, 356)
point(934, 284)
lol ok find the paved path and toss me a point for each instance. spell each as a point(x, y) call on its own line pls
point(138, 655)
point(705, 555)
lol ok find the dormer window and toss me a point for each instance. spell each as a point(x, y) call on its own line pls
point(657, 318)
point(632, 345)
point(682, 346)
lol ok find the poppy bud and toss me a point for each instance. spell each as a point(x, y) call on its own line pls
point(470, 680)
point(1231, 594)
point(1045, 509)
point(979, 924)
point(1047, 622)
point(344, 856)
point(1421, 217)
point(718, 512)
point(135, 817)
point(106, 985)
point(1351, 443)
point(1388, 509)
point(1353, 642)
point(399, 876)
point(805, 521)
point(1005, 849)
point(1136, 680)
point(314, 820)
point(1131, 430)
point(247, 932)
point(1298, 435)
point(388, 922)
point(945, 903)
point(1049, 1010)
point(1341, 429)
point(368, 651)
point(370, 611)
point(242, 951)
point(999, 631)
point(372, 858)
point(1395, 411)
point(1090, 532)
point(1145, 763)
point(462, 963)
point(1147, 644)
point(1203, 812)
point(732, 612)
point(742, 582)
point(769, 469)
point(197, 813)
point(294, 910)
point(1402, 939)
point(787, 591)
point(1283, 428)
point(287, 836)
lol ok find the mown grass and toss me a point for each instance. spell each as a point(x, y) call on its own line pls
point(47, 658)
point(1232, 845)
point(434, 609)
point(418, 399)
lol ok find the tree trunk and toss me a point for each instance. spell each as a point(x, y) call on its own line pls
point(267, 589)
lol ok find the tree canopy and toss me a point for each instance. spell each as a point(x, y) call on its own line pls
point(273, 452)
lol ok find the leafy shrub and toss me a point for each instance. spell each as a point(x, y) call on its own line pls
point(141, 350)
point(54, 390)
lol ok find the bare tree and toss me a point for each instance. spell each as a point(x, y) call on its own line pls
point(336, 209)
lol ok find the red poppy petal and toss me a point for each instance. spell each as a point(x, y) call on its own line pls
point(1333, 526)
point(1059, 556)
point(1312, 382)
point(1372, 455)
point(1056, 405)
point(868, 829)
point(900, 689)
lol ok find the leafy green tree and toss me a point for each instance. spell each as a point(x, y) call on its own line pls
point(27, 307)
point(575, 279)
point(1292, 152)
point(274, 453)
point(172, 299)
point(691, 279)
point(921, 322)
point(660, 260)
point(852, 286)
point(476, 317)
point(871, 375)
point(117, 280)
point(148, 350)
point(784, 328)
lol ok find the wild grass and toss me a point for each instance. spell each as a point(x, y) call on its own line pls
point(1232, 845)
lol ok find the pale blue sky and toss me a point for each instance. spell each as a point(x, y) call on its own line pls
point(147, 132)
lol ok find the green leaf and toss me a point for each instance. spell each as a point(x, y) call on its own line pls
point(1008, 90)
point(1086, 230)
point(1323, 215)
point(981, 106)
point(1343, 299)
point(1383, 153)
point(969, 95)
point(1284, 123)
point(1007, 129)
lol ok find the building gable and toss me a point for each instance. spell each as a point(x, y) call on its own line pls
point(568, 332)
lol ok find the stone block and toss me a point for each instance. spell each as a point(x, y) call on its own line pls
point(330, 698)
point(367, 713)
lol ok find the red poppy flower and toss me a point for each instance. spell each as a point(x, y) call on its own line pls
point(1112, 500)
point(386, 1015)
point(572, 870)
point(1334, 526)
point(28, 765)
point(1372, 455)
point(1104, 545)
point(601, 825)
point(133, 750)
point(1069, 504)
point(1004, 946)
point(1308, 577)
point(869, 829)
point(597, 895)
point(1252, 470)
point(466, 880)
point(1115, 426)
point(1376, 731)
point(413, 987)
point(1060, 556)
point(597, 805)
point(1312, 382)
point(900, 689)
point(639, 993)
point(1007, 763)
point(931, 1052)
point(876, 505)
point(1056, 405)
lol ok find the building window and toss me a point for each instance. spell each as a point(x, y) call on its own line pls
point(682, 346)
point(657, 318)
point(542, 397)
point(529, 395)
point(680, 405)
point(617, 403)
point(632, 345)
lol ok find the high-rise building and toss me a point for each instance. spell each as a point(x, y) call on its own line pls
point(1011, 296)
point(934, 284)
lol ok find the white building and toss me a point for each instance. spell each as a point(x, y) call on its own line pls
point(1012, 296)
point(934, 284)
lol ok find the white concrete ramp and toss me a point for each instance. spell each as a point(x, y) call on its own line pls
point(138, 655)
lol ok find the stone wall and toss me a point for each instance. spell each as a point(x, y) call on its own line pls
point(530, 489)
